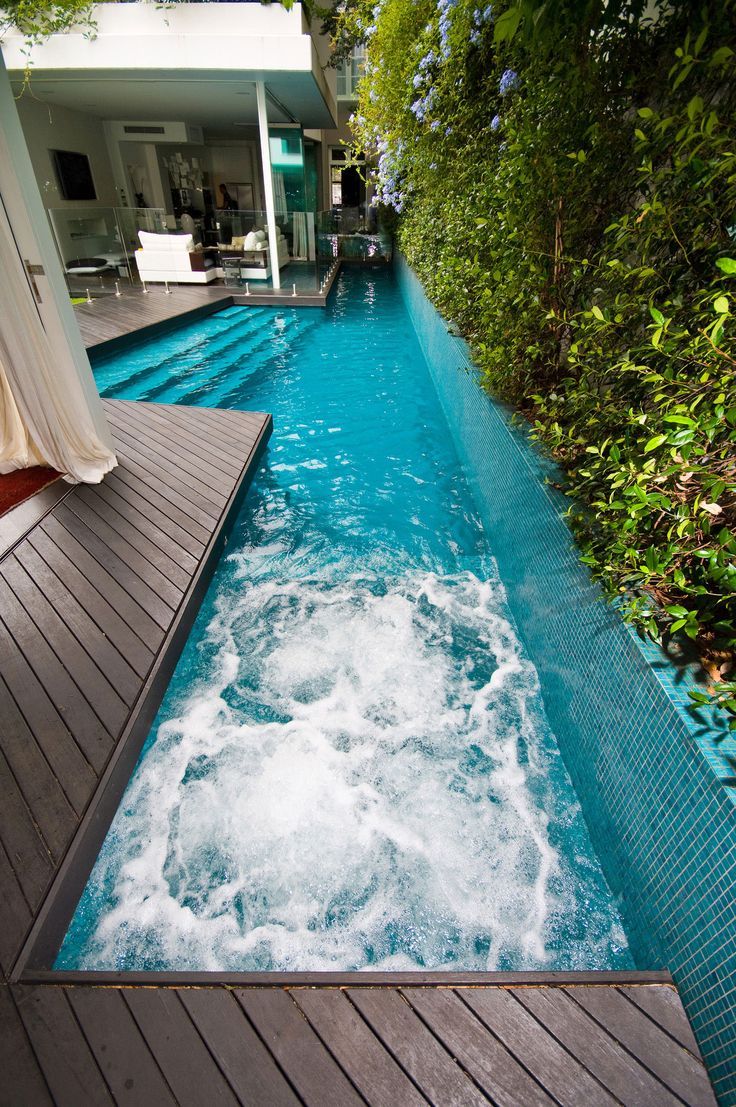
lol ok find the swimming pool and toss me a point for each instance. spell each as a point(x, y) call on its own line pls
point(352, 767)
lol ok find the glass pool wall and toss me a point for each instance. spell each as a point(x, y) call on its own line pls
point(651, 779)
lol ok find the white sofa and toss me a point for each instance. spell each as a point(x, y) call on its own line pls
point(254, 254)
point(173, 257)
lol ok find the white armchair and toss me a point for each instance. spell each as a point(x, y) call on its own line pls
point(173, 257)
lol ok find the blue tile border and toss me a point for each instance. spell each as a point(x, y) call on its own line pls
point(649, 773)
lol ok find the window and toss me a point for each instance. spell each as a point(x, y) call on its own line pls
point(349, 73)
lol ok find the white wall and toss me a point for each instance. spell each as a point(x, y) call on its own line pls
point(48, 128)
point(236, 161)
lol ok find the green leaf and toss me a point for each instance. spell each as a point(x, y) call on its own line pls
point(721, 55)
point(720, 306)
point(657, 316)
point(682, 76)
point(598, 313)
point(695, 107)
point(726, 265)
point(507, 24)
point(653, 443)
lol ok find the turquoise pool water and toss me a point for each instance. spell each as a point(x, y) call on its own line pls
point(352, 766)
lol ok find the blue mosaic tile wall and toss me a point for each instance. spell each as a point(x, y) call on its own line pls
point(650, 780)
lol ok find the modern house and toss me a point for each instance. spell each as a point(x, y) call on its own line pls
point(226, 115)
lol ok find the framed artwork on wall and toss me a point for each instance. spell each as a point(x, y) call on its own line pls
point(74, 175)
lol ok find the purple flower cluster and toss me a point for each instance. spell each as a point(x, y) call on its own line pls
point(495, 122)
point(509, 81)
point(423, 105)
point(388, 189)
point(479, 18)
point(444, 7)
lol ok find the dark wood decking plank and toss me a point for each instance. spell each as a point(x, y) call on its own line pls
point(156, 528)
point(223, 428)
point(301, 1055)
point(110, 316)
point(40, 789)
point(97, 690)
point(174, 492)
point(21, 1083)
point(502, 1078)
point(250, 1069)
point(227, 442)
point(156, 460)
point(673, 1065)
point(118, 1046)
point(138, 656)
point(356, 1049)
point(559, 1073)
point(601, 1054)
point(415, 1048)
point(15, 915)
point(150, 542)
point(21, 838)
point(125, 546)
point(180, 1053)
point(227, 457)
point(169, 442)
point(81, 721)
point(664, 1006)
point(66, 1060)
point(50, 731)
point(14, 524)
point(126, 606)
point(125, 576)
point(117, 672)
point(152, 508)
point(162, 498)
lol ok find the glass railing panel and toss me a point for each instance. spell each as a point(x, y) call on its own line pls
point(357, 234)
point(93, 253)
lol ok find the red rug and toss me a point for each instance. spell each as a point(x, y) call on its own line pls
point(22, 484)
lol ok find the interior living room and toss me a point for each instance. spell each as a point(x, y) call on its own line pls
point(217, 153)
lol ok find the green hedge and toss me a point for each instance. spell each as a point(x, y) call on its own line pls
point(565, 179)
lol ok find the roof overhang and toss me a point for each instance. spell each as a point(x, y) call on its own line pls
point(187, 61)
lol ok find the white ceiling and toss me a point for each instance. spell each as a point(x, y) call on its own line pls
point(215, 102)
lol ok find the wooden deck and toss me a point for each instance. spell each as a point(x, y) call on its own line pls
point(97, 591)
point(109, 318)
point(90, 601)
point(522, 1046)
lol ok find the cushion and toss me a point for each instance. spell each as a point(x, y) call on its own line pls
point(261, 236)
point(173, 242)
point(250, 241)
point(238, 240)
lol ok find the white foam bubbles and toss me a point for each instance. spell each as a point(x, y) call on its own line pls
point(367, 784)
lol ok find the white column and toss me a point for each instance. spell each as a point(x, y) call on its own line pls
point(32, 234)
point(268, 183)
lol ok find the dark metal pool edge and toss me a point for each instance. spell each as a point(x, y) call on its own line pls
point(51, 922)
point(364, 978)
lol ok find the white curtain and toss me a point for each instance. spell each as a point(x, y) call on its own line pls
point(279, 196)
point(44, 416)
point(300, 246)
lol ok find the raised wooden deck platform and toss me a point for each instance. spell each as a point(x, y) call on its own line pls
point(110, 318)
point(97, 590)
point(95, 602)
point(521, 1046)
